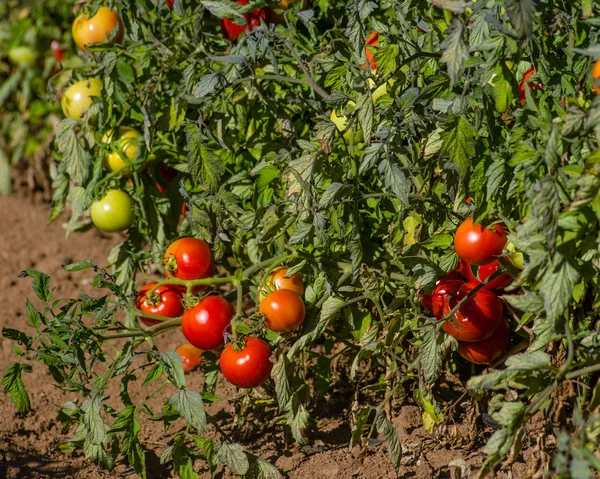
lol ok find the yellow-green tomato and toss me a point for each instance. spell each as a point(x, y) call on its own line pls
point(342, 121)
point(380, 90)
point(114, 212)
point(516, 258)
point(22, 56)
point(78, 97)
point(125, 145)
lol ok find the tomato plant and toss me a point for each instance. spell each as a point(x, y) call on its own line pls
point(477, 318)
point(191, 356)
point(206, 324)
point(97, 28)
point(78, 98)
point(160, 301)
point(484, 272)
point(232, 30)
point(291, 148)
point(478, 245)
point(283, 310)
point(487, 350)
point(113, 212)
point(249, 366)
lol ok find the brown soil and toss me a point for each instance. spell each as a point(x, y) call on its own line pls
point(29, 446)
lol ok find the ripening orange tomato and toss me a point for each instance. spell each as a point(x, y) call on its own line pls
point(87, 31)
point(277, 280)
point(372, 41)
point(283, 310)
point(191, 356)
point(596, 76)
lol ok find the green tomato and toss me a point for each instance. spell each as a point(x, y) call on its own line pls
point(516, 258)
point(22, 56)
point(342, 121)
point(381, 89)
point(114, 212)
point(78, 97)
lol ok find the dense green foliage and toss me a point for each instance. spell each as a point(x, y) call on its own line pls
point(369, 224)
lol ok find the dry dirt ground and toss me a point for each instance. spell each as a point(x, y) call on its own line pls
point(29, 446)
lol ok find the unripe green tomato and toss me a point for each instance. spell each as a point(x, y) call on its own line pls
point(342, 121)
point(516, 258)
point(78, 97)
point(22, 56)
point(114, 212)
point(381, 89)
point(127, 142)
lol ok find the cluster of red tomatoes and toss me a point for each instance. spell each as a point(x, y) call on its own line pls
point(207, 323)
point(479, 324)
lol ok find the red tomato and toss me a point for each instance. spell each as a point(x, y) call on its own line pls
point(486, 351)
point(170, 3)
point(189, 258)
point(249, 367)
point(283, 310)
point(427, 299)
point(205, 324)
point(441, 295)
point(232, 31)
point(477, 319)
point(534, 86)
point(57, 52)
point(191, 356)
point(372, 41)
point(478, 245)
point(484, 272)
point(166, 301)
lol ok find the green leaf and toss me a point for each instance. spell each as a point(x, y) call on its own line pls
point(234, 456)
point(385, 427)
point(173, 368)
point(191, 407)
point(128, 423)
point(455, 54)
point(557, 287)
point(13, 385)
point(458, 142)
point(429, 355)
point(394, 179)
point(41, 283)
point(75, 155)
point(522, 15)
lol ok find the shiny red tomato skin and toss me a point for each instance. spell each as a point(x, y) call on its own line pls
point(477, 319)
point(478, 245)
point(248, 368)
point(427, 299)
point(232, 31)
point(484, 272)
point(205, 324)
point(488, 350)
point(441, 295)
point(168, 303)
point(284, 311)
point(193, 259)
